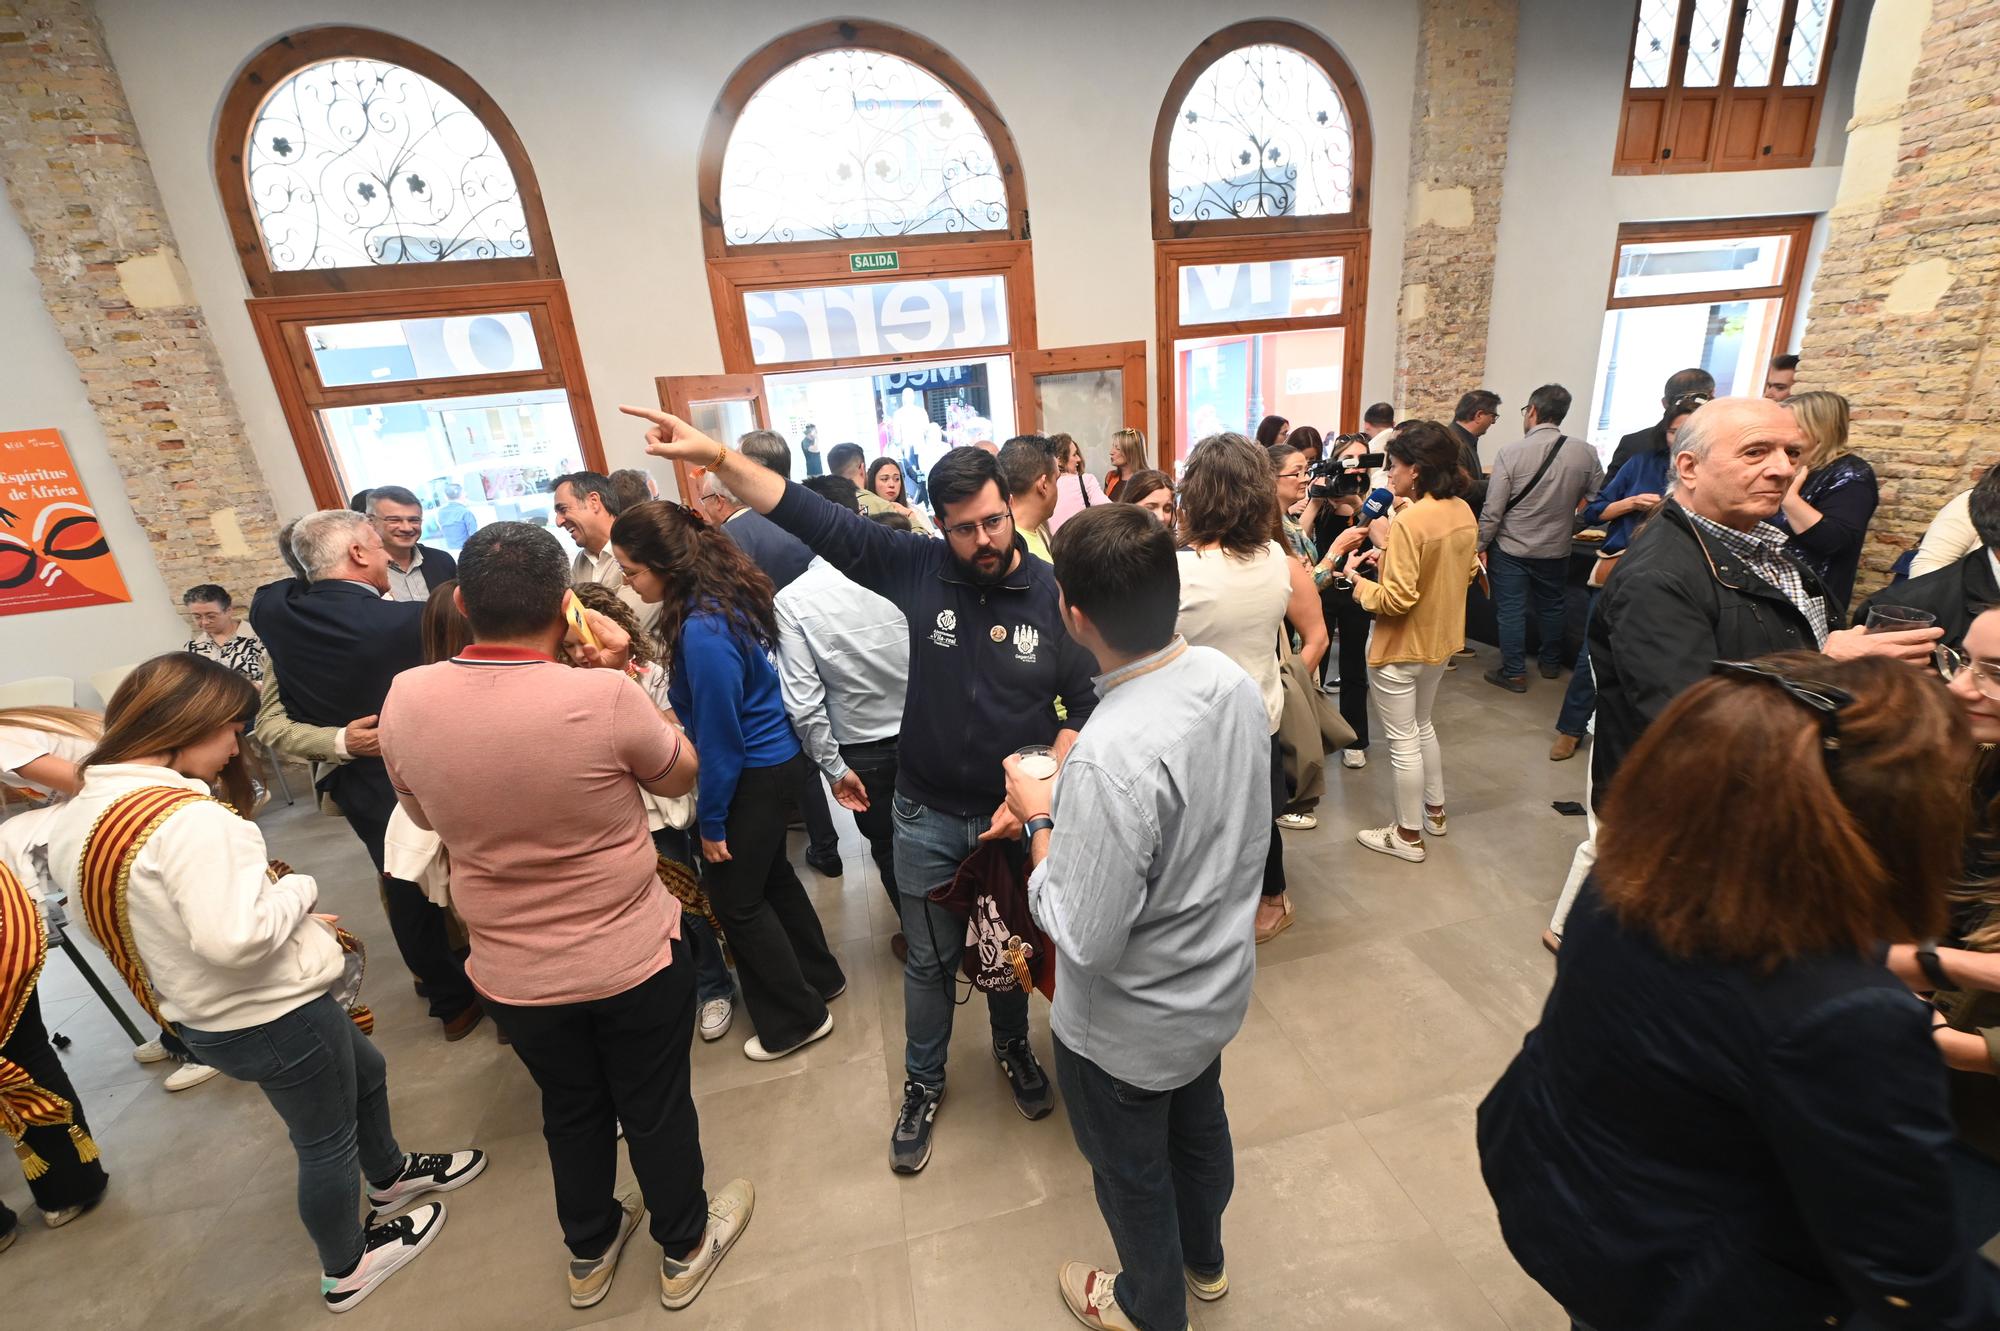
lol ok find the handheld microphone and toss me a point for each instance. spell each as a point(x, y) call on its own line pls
point(1376, 504)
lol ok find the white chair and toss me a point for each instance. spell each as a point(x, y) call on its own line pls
point(106, 683)
point(47, 691)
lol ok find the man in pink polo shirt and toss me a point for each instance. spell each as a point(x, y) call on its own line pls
point(530, 772)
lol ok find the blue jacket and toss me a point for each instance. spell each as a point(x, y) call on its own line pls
point(725, 691)
point(1642, 474)
point(986, 662)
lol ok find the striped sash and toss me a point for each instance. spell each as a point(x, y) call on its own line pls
point(115, 840)
point(24, 1103)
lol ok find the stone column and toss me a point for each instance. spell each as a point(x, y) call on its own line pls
point(1902, 316)
point(1458, 149)
point(113, 282)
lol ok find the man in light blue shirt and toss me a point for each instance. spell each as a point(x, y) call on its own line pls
point(843, 666)
point(1148, 856)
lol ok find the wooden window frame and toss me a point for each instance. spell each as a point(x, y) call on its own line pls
point(1178, 244)
point(1795, 227)
point(283, 304)
point(1770, 97)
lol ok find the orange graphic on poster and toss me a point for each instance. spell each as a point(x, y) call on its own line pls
point(53, 555)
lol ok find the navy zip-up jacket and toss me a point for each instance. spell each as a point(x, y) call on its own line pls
point(986, 662)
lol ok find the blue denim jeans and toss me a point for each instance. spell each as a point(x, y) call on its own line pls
point(1163, 1168)
point(1580, 698)
point(1513, 580)
point(930, 845)
point(329, 1084)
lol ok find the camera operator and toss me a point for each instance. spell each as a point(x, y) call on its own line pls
point(1347, 491)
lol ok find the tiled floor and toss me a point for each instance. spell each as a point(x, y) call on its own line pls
point(1379, 1021)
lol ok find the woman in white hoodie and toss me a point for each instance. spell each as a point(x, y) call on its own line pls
point(219, 942)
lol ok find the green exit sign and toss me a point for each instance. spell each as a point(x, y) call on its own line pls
point(879, 261)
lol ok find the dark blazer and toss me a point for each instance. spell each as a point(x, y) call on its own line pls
point(1468, 457)
point(780, 554)
point(438, 566)
point(1652, 439)
point(1956, 594)
point(1676, 605)
point(1699, 1146)
point(337, 647)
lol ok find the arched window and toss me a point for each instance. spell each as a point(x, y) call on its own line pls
point(404, 283)
point(1260, 220)
point(865, 222)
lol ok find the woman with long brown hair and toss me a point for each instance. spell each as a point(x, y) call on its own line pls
point(1239, 586)
point(1730, 1114)
point(718, 626)
point(1076, 488)
point(219, 941)
point(1128, 459)
point(1153, 491)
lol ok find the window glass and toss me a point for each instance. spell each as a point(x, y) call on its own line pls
point(1263, 133)
point(1758, 50)
point(1808, 44)
point(1087, 405)
point(1653, 43)
point(471, 460)
point(394, 350)
point(354, 163)
point(912, 413)
point(1671, 267)
point(876, 318)
point(1705, 39)
point(1286, 288)
point(1731, 339)
point(1231, 383)
point(852, 144)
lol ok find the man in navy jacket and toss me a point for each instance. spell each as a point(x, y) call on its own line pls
point(989, 656)
point(337, 644)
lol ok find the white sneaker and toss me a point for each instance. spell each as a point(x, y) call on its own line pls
point(188, 1074)
point(1354, 759)
point(716, 1014)
point(754, 1050)
point(1390, 842)
point(1298, 822)
point(1433, 823)
point(424, 1173)
point(150, 1052)
point(386, 1249)
point(728, 1216)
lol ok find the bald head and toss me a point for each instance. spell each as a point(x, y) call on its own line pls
point(1734, 459)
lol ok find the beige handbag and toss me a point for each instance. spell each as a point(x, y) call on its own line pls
point(1309, 728)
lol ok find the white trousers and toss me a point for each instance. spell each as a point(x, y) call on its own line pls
point(1404, 693)
point(1581, 864)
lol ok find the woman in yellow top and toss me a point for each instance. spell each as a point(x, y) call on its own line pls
point(1419, 608)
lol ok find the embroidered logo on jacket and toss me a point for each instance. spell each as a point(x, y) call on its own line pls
point(942, 635)
point(1026, 639)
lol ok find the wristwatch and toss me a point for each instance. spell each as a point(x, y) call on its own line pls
point(1041, 822)
point(1929, 963)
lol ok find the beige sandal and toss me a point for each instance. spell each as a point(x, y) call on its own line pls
point(1284, 922)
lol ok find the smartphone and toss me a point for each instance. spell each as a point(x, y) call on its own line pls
point(573, 612)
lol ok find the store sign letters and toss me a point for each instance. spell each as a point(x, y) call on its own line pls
point(876, 319)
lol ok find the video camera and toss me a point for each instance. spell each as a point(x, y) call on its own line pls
point(1336, 477)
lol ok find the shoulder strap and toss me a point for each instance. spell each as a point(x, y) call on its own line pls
point(1548, 459)
point(1083, 489)
point(105, 872)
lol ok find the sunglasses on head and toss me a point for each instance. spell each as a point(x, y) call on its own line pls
point(1823, 700)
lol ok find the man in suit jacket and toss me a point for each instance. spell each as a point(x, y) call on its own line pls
point(414, 570)
point(338, 643)
point(1961, 591)
point(1653, 439)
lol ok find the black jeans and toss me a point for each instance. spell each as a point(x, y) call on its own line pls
point(822, 842)
point(875, 763)
point(782, 961)
point(418, 927)
point(622, 1059)
point(1274, 854)
point(1345, 614)
point(1163, 1169)
point(69, 1181)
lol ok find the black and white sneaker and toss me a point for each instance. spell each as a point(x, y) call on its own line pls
point(1033, 1095)
point(386, 1249)
point(910, 1143)
point(427, 1173)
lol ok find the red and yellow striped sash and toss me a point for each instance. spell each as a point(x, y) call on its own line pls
point(115, 840)
point(23, 1103)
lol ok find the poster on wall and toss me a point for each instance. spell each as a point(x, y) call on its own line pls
point(53, 554)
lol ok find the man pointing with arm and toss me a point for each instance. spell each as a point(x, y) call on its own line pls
point(988, 657)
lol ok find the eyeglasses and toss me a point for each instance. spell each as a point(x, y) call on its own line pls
point(1823, 700)
point(991, 526)
point(1950, 662)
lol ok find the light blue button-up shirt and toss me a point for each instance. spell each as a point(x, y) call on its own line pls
point(1149, 891)
point(843, 664)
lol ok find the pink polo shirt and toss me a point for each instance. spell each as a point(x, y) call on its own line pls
point(529, 771)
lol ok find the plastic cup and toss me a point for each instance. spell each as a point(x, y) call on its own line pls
point(1898, 619)
point(1037, 761)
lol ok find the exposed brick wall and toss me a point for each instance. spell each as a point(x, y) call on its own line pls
point(1903, 308)
point(1458, 149)
point(111, 277)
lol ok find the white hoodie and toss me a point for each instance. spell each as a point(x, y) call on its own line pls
point(225, 947)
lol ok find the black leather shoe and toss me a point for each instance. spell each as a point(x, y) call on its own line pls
point(1552, 672)
point(1511, 683)
point(826, 866)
